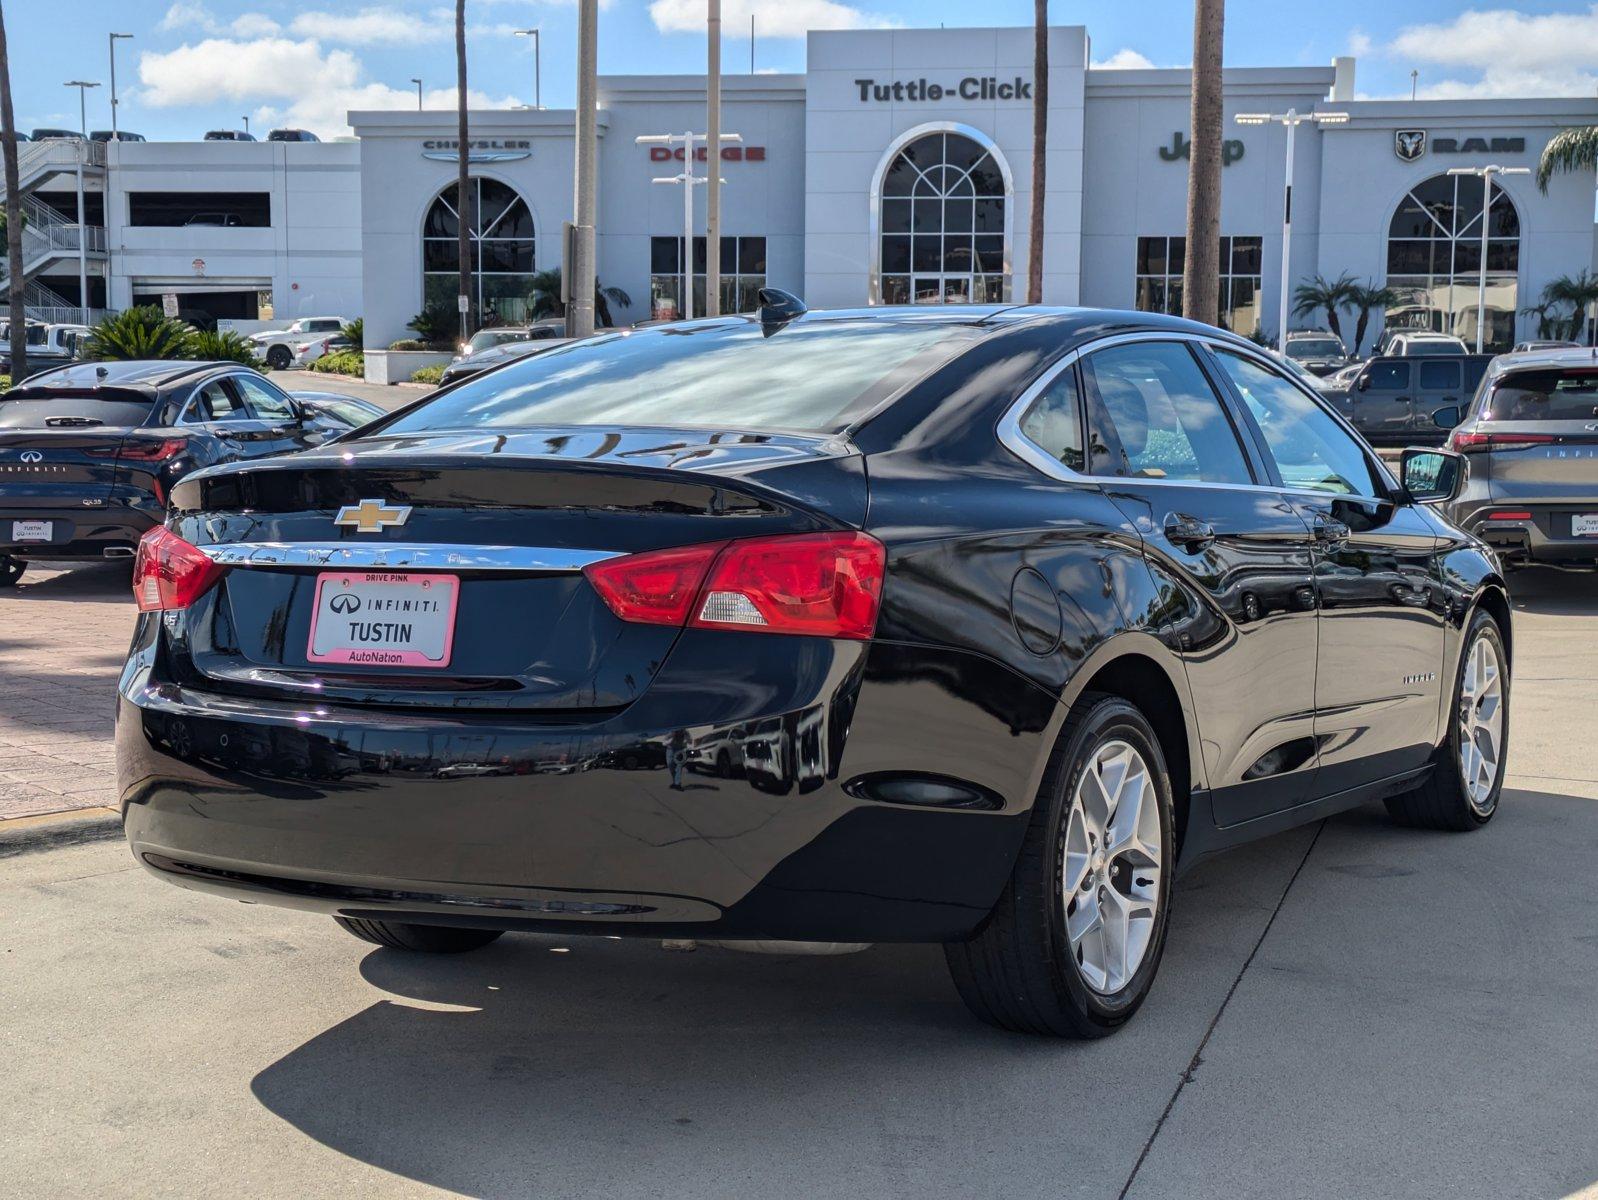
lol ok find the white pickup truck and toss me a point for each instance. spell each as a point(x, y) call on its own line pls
point(277, 345)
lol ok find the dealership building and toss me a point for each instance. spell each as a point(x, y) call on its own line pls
point(896, 169)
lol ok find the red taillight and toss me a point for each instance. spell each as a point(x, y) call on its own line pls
point(152, 451)
point(170, 573)
point(816, 584)
point(1475, 443)
point(1509, 516)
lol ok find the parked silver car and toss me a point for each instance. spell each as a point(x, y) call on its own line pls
point(1530, 441)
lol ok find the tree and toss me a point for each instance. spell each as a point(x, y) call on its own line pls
point(8, 148)
point(1040, 149)
point(547, 301)
point(1201, 276)
point(138, 333)
point(1581, 293)
point(465, 208)
point(1550, 322)
point(1568, 150)
point(1319, 294)
point(1366, 298)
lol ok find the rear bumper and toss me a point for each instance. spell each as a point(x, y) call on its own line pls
point(1544, 537)
point(760, 819)
point(80, 534)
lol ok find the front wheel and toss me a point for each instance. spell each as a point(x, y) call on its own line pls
point(11, 570)
point(279, 357)
point(1463, 789)
point(1072, 947)
point(422, 939)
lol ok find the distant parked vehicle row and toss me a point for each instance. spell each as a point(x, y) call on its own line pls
point(277, 135)
point(1391, 398)
point(502, 344)
point(215, 135)
point(1318, 353)
point(278, 346)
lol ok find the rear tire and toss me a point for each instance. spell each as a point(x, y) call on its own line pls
point(421, 939)
point(1479, 719)
point(279, 357)
point(1072, 947)
point(11, 570)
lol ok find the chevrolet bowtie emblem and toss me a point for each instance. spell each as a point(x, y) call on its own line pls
point(371, 516)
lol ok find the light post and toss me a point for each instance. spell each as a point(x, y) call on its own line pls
point(713, 162)
point(689, 181)
point(418, 84)
point(246, 121)
point(1291, 120)
point(578, 275)
point(1486, 175)
point(83, 86)
point(111, 40)
point(538, 66)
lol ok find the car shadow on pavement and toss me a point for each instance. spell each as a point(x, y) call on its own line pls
point(89, 581)
point(1552, 592)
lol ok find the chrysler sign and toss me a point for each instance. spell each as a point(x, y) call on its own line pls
point(971, 87)
point(478, 150)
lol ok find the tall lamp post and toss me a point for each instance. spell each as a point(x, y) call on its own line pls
point(713, 162)
point(578, 276)
point(83, 86)
point(1291, 120)
point(111, 40)
point(538, 66)
point(689, 181)
point(1486, 175)
point(418, 84)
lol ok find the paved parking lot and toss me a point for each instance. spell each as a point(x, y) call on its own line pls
point(1346, 1010)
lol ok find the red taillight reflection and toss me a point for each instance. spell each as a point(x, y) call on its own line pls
point(1475, 443)
point(816, 584)
point(170, 573)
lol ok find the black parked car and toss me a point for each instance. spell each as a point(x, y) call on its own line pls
point(89, 453)
point(968, 625)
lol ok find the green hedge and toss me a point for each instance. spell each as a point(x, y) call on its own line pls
point(342, 362)
point(427, 374)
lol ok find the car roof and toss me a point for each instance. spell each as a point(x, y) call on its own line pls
point(147, 373)
point(1554, 356)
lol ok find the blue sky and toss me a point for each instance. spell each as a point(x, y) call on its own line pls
point(199, 64)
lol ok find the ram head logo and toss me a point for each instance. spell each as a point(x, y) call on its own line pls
point(1409, 144)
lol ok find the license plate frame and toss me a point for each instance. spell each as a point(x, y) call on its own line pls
point(385, 644)
point(32, 532)
point(1584, 525)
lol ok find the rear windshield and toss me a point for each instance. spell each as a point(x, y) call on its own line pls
point(38, 414)
point(1545, 396)
point(814, 376)
point(1419, 348)
point(1314, 348)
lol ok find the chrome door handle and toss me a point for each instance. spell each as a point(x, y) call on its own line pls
point(1190, 533)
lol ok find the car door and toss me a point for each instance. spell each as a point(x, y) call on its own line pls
point(284, 428)
point(1383, 405)
point(1232, 557)
point(1379, 672)
point(1439, 383)
point(218, 408)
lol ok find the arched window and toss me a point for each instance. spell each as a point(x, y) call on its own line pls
point(942, 224)
point(1434, 260)
point(502, 252)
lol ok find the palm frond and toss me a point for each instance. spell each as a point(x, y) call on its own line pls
point(1569, 150)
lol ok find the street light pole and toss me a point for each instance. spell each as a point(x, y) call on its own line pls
point(111, 39)
point(712, 163)
point(689, 181)
point(246, 121)
point(538, 67)
point(418, 84)
point(579, 269)
point(1486, 175)
point(83, 86)
point(1290, 120)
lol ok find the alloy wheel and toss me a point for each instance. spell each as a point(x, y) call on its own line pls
point(1481, 723)
point(1110, 870)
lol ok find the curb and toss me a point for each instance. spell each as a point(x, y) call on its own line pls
point(53, 831)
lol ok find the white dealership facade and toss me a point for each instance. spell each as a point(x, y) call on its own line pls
point(896, 168)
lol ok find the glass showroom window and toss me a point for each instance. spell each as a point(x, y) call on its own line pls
point(942, 221)
point(1434, 260)
point(743, 274)
point(1160, 261)
point(502, 253)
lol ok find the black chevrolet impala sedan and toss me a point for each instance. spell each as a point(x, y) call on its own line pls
point(971, 626)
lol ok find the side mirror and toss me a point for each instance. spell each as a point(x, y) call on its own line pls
point(1431, 476)
point(1447, 418)
point(1363, 383)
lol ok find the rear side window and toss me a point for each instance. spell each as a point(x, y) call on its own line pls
point(1439, 376)
point(1054, 421)
point(1163, 415)
point(1545, 396)
point(1388, 376)
point(38, 414)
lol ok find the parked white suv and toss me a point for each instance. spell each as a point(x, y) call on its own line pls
point(277, 345)
point(1410, 345)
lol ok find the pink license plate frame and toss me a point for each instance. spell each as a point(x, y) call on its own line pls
point(370, 657)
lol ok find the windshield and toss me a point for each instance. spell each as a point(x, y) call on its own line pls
point(1545, 396)
point(813, 375)
point(1314, 348)
point(494, 337)
point(37, 413)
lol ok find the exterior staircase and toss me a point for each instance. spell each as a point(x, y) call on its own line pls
point(50, 242)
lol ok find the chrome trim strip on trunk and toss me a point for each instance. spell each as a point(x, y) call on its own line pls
point(395, 555)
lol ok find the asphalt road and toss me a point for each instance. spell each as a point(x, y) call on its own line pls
point(386, 396)
point(1349, 1009)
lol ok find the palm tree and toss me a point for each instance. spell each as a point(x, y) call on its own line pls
point(1040, 148)
point(1581, 293)
point(1318, 294)
point(1568, 150)
point(547, 302)
point(1545, 312)
point(8, 147)
point(1201, 276)
point(1366, 298)
point(465, 209)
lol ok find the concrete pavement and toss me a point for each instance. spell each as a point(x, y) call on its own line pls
point(385, 396)
point(1346, 1010)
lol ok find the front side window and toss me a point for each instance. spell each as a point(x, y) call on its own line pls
point(1312, 451)
point(266, 402)
point(1388, 376)
point(1054, 421)
point(216, 402)
point(941, 211)
point(1164, 421)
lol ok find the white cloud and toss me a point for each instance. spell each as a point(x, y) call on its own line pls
point(370, 27)
point(187, 14)
point(1516, 53)
point(1124, 60)
point(192, 14)
point(1359, 43)
point(773, 18)
point(254, 25)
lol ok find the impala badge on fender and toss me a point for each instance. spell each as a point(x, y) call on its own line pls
point(371, 516)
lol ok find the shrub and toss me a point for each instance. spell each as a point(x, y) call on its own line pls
point(143, 332)
point(408, 344)
point(356, 332)
point(436, 325)
point(223, 347)
point(341, 362)
point(427, 374)
point(5, 383)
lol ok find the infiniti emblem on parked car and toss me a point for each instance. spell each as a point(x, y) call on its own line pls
point(345, 603)
point(371, 516)
point(31, 456)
